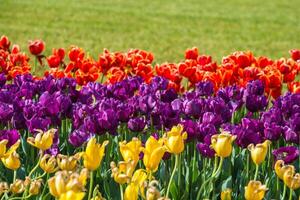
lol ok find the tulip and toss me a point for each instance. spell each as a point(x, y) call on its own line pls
point(153, 153)
point(226, 194)
point(131, 150)
point(64, 182)
point(12, 161)
point(68, 163)
point(57, 184)
point(93, 154)
point(3, 187)
point(259, 151)
point(281, 169)
point(137, 185)
point(43, 140)
point(123, 173)
point(4, 43)
point(4, 152)
point(222, 144)
point(18, 186)
point(48, 163)
point(71, 195)
point(255, 190)
point(35, 187)
point(36, 47)
point(291, 179)
point(152, 191)
point(174, 139)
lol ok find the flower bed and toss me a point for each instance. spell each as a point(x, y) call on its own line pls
point(121, 128)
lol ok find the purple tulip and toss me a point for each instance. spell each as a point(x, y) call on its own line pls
point(205, 150)
point(11, 135)
point(205, 88)
point(78, 137)
point(137, 124)
point(288, 154)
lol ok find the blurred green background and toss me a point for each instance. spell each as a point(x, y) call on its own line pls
point(164, 27)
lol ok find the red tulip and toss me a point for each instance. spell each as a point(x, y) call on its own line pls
point(295, 54)
point(191, 53)
point(36, 47)
point(4, 43)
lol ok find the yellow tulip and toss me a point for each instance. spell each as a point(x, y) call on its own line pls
point(280, 168)
point(18, 186)
point(4, 152)
point(93, 154)
point(3, 187)
point(98, 197)
point(174, 139)
point(153, 153)
point(137, 185)
point(35, 187)
point(131, 192)
point(226, 194)
point(57, 184)
point(77, 182)
point(292, 180)
point(131, 150)
point(259, 151)
point(123, 173)
point(48, 163)
point(64, 181)
point(12, 161)
point(71, 195)
point(255, 190)
point(42, 140)
point(68, 163)
point(222, 144)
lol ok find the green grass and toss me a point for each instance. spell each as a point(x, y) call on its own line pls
point(164, 27)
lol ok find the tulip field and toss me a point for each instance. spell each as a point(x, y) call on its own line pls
point(122, 126)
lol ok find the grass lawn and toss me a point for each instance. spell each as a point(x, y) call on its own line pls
point(164, 27)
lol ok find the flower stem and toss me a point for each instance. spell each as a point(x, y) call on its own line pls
point(121, 192)
point(173, 173)
point(91, 184)
point(15, 176)
point(212, 176)
point(256, 172)
point(36, 166)
point(291, 194)
point(41, 176)
point(284, 192)
point(215, 165)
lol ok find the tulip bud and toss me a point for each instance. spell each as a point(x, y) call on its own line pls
point(174, 139)
point(226, 194)
point(255, 190)
point(3, 187)
point(259, 151)
point(222, 144)
point(36, 47)
point(4, 43)
point(153, 153)
point(35, 187)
